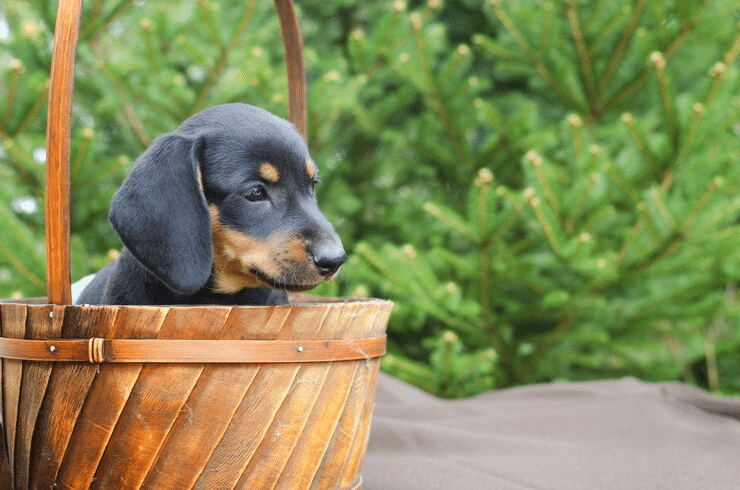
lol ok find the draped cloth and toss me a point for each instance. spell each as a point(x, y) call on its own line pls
point(622, 434)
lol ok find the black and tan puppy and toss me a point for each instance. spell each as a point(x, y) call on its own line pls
point(220, 211)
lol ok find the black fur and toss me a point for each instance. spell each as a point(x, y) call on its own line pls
point(211, 163)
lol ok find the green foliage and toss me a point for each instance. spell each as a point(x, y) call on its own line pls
point(548, 190)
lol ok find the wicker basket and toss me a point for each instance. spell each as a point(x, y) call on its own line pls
point(116, 397)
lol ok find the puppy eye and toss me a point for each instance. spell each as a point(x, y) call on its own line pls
point(256, 193)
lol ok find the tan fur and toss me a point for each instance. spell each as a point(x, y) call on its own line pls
point(296, 248)
point(281, 258)
point(269, 172)
point(310, 169)
point(229, 246)
point(199, 176)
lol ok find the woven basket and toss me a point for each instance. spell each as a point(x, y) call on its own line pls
point(217, 397)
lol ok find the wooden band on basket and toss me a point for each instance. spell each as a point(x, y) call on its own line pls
point(97, 350)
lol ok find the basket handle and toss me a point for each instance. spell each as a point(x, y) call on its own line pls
point(61, 86)
point(296, 70)
point(58, 128)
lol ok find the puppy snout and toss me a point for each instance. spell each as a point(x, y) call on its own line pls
point(327, 265)
point(322, 242)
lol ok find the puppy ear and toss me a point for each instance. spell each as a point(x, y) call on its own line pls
point(162, 217)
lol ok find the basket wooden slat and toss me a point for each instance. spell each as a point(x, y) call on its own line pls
point(351, 430)
point(352, 461)
point(297, 407)
point(61, 407)
point(210, 408)
point(106, 398)
point(332, 401)
point(134, 427)
point(39, 322)
point(258, 397)
point(13, 319)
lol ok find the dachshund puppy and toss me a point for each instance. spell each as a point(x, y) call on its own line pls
point(221, 211)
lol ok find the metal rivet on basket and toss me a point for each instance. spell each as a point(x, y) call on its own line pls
point(51, 314)
point(52, 348)
point(300, 348)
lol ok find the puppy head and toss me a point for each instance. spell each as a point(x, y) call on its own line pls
point(228, 196)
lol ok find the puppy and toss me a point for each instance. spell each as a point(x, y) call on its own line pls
point(221, 211)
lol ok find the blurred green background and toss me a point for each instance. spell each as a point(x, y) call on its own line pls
point(548, 190)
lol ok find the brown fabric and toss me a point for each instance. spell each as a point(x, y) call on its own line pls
point(623, 434)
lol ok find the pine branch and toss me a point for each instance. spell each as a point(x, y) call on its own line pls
point(534, 159)
point(547, 226)
point(16, 68)
point(33, 111)
point(696, 117)
point(24, 271)
point(575, 122)
point(660, 204)
point(223, 57)
point(618, 177)
point(483, 182)
point(637, 82)
point(21, 165)
point(620, 47)
point(605, 32)
point(82, 151)
point(647, 220)
point(583, 56)
point(535, 60)
point(434, 98)
point(640, 143)
point(135, 124)
point(580, 203)
point(665, 247)
point(123, 87)
point(659, 63)
point(508, 221)
point(146, 29)
point(99, 23)
point(733, 52)
point(701, 203)
point(547, 10)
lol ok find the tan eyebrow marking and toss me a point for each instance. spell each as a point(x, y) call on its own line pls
point(310, 169)
point(269, 172)
point(199, 176)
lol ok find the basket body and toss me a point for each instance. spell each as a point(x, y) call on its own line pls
point(278, 425)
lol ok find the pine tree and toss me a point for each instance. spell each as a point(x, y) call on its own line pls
point(586, 217)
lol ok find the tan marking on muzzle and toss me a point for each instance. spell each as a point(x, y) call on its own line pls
point(280, 257)
point(269, 172)
point(234, 254)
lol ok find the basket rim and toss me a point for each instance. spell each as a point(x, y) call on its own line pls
point(249, 349)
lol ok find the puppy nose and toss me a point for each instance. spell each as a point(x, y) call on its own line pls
point(328, 265)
